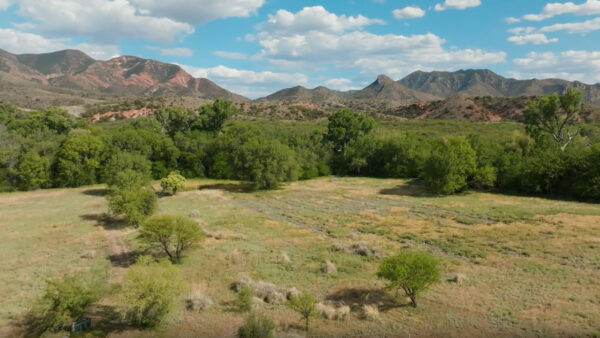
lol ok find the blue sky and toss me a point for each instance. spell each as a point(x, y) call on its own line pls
point(255, 47)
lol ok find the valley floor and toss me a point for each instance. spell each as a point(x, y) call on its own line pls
point(526, 266)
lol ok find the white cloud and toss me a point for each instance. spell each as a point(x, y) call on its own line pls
point(574, 27)
point(409, 12)
point(590, 7)
point(19, 42)
point(313, 19)
point(342, 84)
point(536, 39)
point(457, 4)
point(101, 20)
point(179, 51)
point(571, 65)
point(4, 4)
point(246, 82)
point(522, 30)
point(231, 55)
point(198, 11)
point(512, 20)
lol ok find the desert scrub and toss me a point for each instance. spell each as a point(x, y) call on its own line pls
point(257, 325)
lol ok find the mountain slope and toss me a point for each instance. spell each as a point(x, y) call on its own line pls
point(124, 75)
point(301, 94)
point(483, 82)
point(388, 89)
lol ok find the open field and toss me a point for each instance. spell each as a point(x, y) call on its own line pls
point(529, 266)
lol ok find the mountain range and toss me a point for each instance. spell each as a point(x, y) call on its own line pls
point(72, 72)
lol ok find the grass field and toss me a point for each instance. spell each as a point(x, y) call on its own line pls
point(529, 266)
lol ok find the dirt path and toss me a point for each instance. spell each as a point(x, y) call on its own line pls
point(120, 254)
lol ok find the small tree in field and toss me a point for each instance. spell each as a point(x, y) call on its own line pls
point(555, 115)
point(413, 272)
point(150, 291)
point(172, 183)
point(173, 234)
point(135, 204)
point(305, 305)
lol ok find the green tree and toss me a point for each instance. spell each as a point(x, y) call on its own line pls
point(450, 166)
point(172, 234)
point(244, 299)
point(150, 291)
point(122, 161)
point(257, 325)
point(134, 203)
point(32, 171)
point(214, 116)
point(411, 271)
point(556, 116)
point(305, 305)
point(78, 161)
point(346, 126)
point(172, 183)
point(265, 163)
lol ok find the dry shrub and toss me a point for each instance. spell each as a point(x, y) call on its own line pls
point(331, 312)
point(370, 312)
point(268, 292)
point(337, 247)
point(329, 268)
point(362, 249)
point(198, 301)
point(458, 278)
point(234, 257)
point(284, 259)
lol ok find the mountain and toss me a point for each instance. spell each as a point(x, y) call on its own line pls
point(388, 89)
point(483, 82)
point(301, 94)
point(123, 75)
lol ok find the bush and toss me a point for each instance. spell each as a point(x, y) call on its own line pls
point(305, 305)
point(134, 204)
point(121, 162)
point(257, 326)
point(484, 178)
point(32, 171)
point(78, 161)
point(172, 234)
point(412, 272)
point(150, 291)
point(172, 183)
point(450, 166)
point(67, 299)
point(244, 299)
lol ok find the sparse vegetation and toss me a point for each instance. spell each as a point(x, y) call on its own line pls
point(257, 325)
point(172, 183)
point(171, 234)
point(305, 304)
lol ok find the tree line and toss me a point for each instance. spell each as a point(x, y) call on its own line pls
point(50, 148)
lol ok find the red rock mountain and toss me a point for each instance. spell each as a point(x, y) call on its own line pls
point(123, 75)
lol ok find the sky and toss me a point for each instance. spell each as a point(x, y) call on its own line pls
point(255, 47)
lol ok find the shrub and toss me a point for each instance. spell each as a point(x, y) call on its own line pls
point(484, 178)
point(32, 171)
point(198, 301)
point(305, 305)
point(172, 183)
point(150, 290)
point(173, 234)
point(257, 326)
point(134, 204)
point(244, 299)
point(413, 272)
point(450, 166)
point(122, 162)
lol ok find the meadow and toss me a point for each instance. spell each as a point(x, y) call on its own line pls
point(512, 265)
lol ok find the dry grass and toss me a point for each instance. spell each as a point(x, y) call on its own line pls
point(531, 264)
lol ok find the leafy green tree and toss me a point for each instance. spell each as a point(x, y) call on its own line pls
point(150, 291)
point(66, 299)
point(123, 161)
point(32, 171)
point(257, 325)
point(305, 305)
point(175, 119)
point(264, 163)
point(411, 271)
point(134, 203)
point(78, 161)
point(450, 166)
point(172, 234)
point(172, 183)
point(346, 126)
point(556, 116)
point(214, 116)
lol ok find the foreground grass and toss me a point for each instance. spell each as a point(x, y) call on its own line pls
point(531, 265)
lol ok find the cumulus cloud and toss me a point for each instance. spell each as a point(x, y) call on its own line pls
point(536, 39)
point(457, 4)
point(343, 44)
point(512, 20)
point(342, 84)
point(590, 7)
point(410, 12)
point(574, 27)
point(198, 11)
point(101, 20)
point(4, 4)
point(19, 42)
point(246, 82)
point(571, 65)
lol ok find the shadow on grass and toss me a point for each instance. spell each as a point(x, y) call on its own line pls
point(412, 188)
point(125, 259)
point(229, 187)
point(101, 192)
point(356, 298)
point(106, 221)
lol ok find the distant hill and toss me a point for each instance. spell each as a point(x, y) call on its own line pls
point(483, 82)
point(301, 94)
point(124, 75)
point(388, 89)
